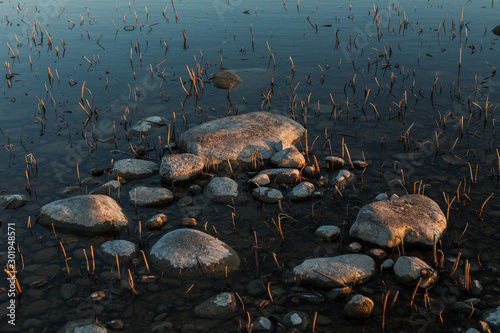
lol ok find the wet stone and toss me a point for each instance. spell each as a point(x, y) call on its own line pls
point(67, 291)
point(125, 250)
point(185, 201)
point(180, 167)
point(279, 176)
point(83, 326)
point(309, 171)
point(377, 254)
point(302, 191)
point(387, 265)
point(108, 188)
point(90, 181)
point(150, 196)
point(115, 324)
point(358, 307)
point(164, 327)
point(225, 80)
point(262, 325)
point(288, 158)
point(256, 287)
point(195, 190)
point(338, 293)
point(354, 247)
point(296, 319)
point(359, 164)
point(189, 222)
point(343, 177)
point(381, 197)
point(328, 233)
point(12, 201)
point(130, 169)
point(335, 162)
point(156, 222)
point(97, 172)
point(222, 190)
point(72, 189)
point(408, 271)
point(267, 195)
point(221, 306)
point(147, 126)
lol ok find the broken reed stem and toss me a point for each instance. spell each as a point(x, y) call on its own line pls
point(484, 203)
point(384, 308)
point(118, 267)
point(145, 261)
point(415, 292)
point(455, 266)
point(86, 260)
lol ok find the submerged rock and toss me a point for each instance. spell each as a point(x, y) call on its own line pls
point(125, 250)
point(222, 190)
point(343, 177)
point(347, 269)
point(334, 162)
point(147, 126)
point(225, 80)
point(130, 169)
point(150, 196)
point(267, 195)
point(221, 306)
point(296, 319)
point(302, 191)
point(108, 188)
point(180, 167)
point(328, 233)
point(192, 253)
point(86, 213)
point(240, 139)
point(412, 219)
point(12, 201)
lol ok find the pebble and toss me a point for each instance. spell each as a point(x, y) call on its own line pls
point(309, 171)
point(90, 181)
point(185, 201)
point(156, 222)
point(355, 247)
point(267, 195)
point(343, 177)
point(359, 164)
point(262, 324)
point(195, 189)
point(358, 307)
point(328, 233)
point(337, 293)
point(302, 191)
point(378, 254)
point(256, 287)
point(288, 158)
point(97, 172)
point(115, 324)
point(296, 319)
point(334, 162)
point(381, 197)
point(71, 189)
point(189, 222)
point(387, 265)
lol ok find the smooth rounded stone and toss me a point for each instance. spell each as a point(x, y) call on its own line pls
point(358, 307)
point(256, 287)
point(97, 172)
point(334, 162)
point(347, 269)
point(185, 201)
point(496, 30)
point(189, 222)
point(225, 80)
point(377, 254)
point(85, 213)
point(476, 288)
point(90, 181)
point(71, 189)
point(222, 190)
point(381, 197)
point(147, 126)
point(130, 169)
point(240, 138)
point(328, 233)
point(124, 249)
point(180, 167)
point(267, 195)
point(12, 201)
point(309, 171)
point(83, 326)
point(67, 291)
point(189, 252)
point(337, 293)
point(413, 219)
point(150, 196)
point(156, 222)
point(408, 271)
point(107, 188)
point(262, 325)
point(354, 247)
point(387, 265)
point(359, 164)
point(288, 158)
point(221, 306)
point(279, 176)
point(302, 191)
point(296, 319)
point(195, 189)
point(343, 177)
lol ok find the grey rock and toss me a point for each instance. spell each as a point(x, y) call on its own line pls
point(189, 252)
point(130, 169)
point(412, 219)
point(185, 201)
point(83, 326)
point(328, 233)
point(337, 293)
point(408, 271)
point(180, 167)
point(90, 181)
point(359, 164)
point(296, 319)
point(288, 158)
point(221, 306)
point(85, 213)
point(147, 126)
point(358, 307)
point(262, 325)
point(343, 177)
point(493, 320)
point(381, 197)
point(267, 195)
point(279, 176)
point(377, 254)
point(387, 265)
point(12, 201)
point(156, 222)
point(222, 190)
point(354, 247)
point(240, 138)
point(347, 269)
point(335, 162)
point(302, 191)
point(71, 189)
point(108, 188)
point(150, 196)
point(125, 250)
point(225, 80)
point(195, 189)
point(476, 288)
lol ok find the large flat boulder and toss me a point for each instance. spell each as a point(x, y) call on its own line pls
point(192, 253)
point(86, 213)
point(413, 219)
point(239, 138)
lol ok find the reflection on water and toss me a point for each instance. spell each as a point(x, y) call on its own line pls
point(411, 88)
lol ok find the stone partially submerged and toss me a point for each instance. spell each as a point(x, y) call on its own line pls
point(240, 139)
point(130, 169)
point(192, 253)
point(413, 219)
point(86, 213)
point(147, 126)
point(225, 80)
point(343, 270)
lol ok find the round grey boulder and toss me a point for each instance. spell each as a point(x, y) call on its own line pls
point(125, 250)
point(288, 158)
point(302, 191)
point(150, 196)
point(408, 270)
point(358, 307)
point(222, 190)
point(267, 195)
point(180, 167)
point(413, 219)
point(192, 253)
point(347, 269)
point(328, 233)
point(221, 306)
point(157, 221)
point(130, 169)
point(86, 213)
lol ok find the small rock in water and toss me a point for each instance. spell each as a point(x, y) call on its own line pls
point(150, 196)
point(147, 126)
point(185, 201)
point(180, 167)
point(378, 254)
point(335, 162)
point(221, 306)
point(256, 287)
point(115, 324)
point(355, 247)
point(97, 172)
point(359, 164)
point(222, 190)
point(358, 307)
point(157, 221)
point(328, 233)
point(381, 197)
point(12, 201)
point(262, 324)
point(195, 190)
point(90, 181)
point(309, 171)
point(302, 191)
point(189, 222)
point(337, 293)
point(225, 80)
point(130, 169)
point(296, 319)
point(387, 265)
point(84, 326)
point(280, 176)
point(288, 158)
point(97, 296)
point(72, 189)
point(343, 177)
point(124, 249)
point(267, 195)
point(107, 188)
point(408, 270)
point(496, 30)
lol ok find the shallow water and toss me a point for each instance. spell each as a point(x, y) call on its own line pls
point(410, 130)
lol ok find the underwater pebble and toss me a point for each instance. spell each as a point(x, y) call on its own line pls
point(302, 191)
point(262, 324)
point(296, 319)
point(115, 324)
point(185, 201)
